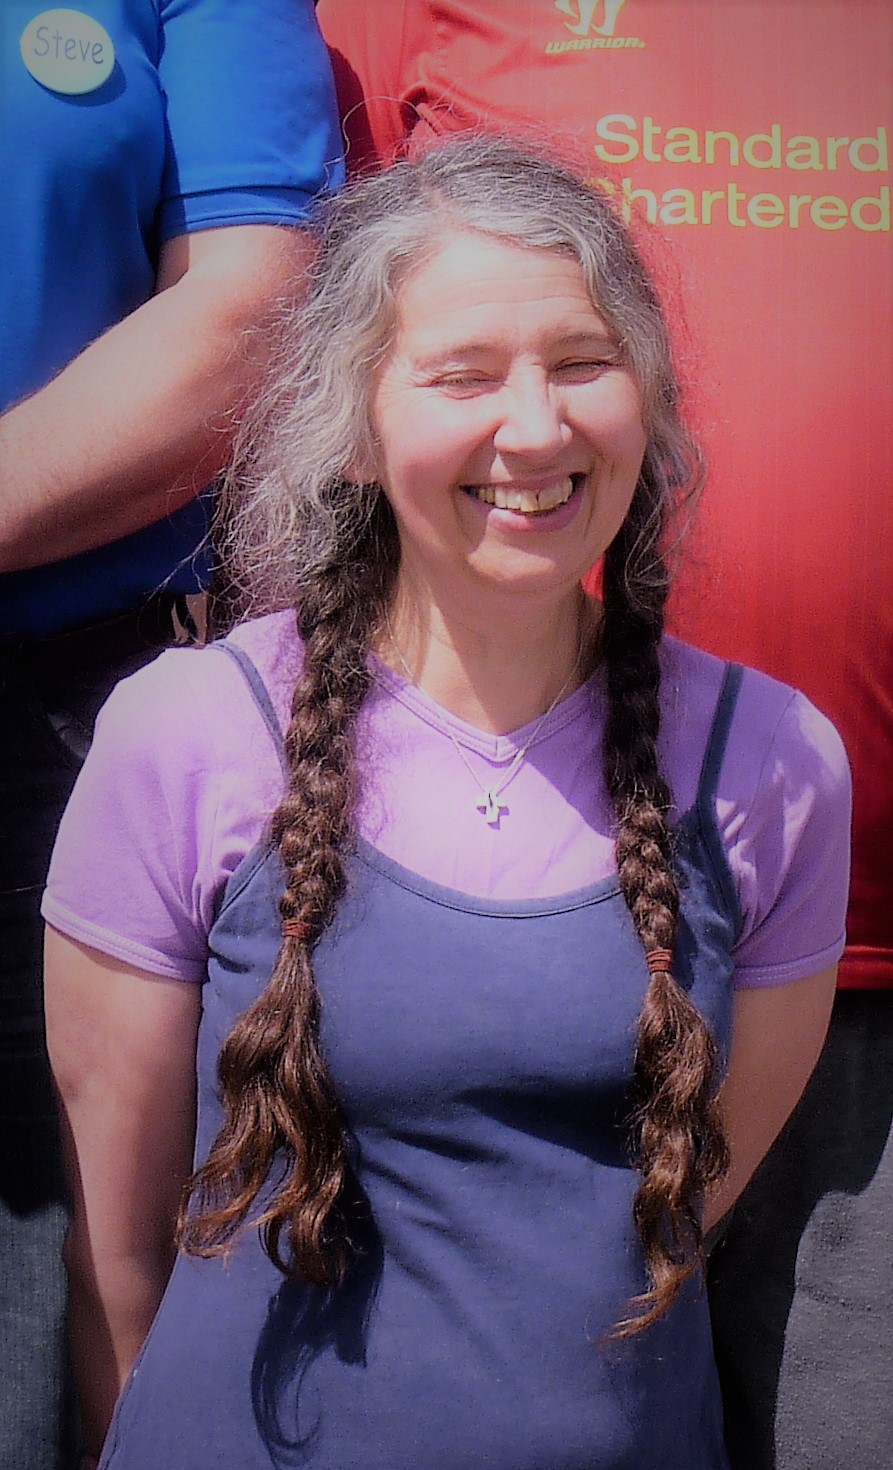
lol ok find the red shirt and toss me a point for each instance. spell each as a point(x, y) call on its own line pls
point(758, 137)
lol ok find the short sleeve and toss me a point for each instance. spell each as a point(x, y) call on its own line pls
point(162, 813)
point(788, 839)
point(252, 125)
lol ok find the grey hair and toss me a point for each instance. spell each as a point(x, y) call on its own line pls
point(295, 496)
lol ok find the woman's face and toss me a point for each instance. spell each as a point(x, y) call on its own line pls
point(509, 428)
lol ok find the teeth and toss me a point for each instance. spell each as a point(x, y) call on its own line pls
point(555, 495)
point(528, 502)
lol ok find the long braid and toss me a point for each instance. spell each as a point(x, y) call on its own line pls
point(681, 1148)
point(279, 1100)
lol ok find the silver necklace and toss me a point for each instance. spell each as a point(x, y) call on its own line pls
point(489, 803)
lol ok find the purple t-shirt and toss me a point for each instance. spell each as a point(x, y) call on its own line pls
point(183, 776)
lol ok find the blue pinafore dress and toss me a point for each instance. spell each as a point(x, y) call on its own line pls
point(483, 1054)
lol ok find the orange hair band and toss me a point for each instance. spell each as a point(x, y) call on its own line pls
point(295, 929)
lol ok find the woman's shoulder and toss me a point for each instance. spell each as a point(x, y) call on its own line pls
point(778, 753)
point(693, 680)
point(175, 791)
point(271, 642)
point(782, 809)
point(183, 680)
point(768, 715)
point(192, 712)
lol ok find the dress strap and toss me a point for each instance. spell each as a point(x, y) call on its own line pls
point(259, 693)
point(709, 779)
point(719, 733)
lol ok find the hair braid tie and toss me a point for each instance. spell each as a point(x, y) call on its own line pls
point(659, 961)
point(295, 929)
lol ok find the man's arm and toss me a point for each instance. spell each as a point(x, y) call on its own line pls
point(144, 417)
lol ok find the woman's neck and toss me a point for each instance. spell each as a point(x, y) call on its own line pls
point(499, 674)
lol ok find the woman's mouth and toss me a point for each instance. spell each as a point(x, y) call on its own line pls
point(524, 501)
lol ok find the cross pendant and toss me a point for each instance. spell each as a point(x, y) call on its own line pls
point(491, 807)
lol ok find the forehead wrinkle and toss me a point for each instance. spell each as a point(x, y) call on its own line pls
point(468, 301)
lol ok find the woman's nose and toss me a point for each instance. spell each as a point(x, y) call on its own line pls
point(531, 418)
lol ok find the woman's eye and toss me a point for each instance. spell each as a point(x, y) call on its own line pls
point(582, 369)
point(465, 382)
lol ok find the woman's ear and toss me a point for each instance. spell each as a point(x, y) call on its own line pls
point(363, 468)
point(360, 472)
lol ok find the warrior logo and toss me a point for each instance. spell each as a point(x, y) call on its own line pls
point(583, 13)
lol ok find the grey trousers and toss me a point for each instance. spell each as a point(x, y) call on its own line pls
point(801, 1282)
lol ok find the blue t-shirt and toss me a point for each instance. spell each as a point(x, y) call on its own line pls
point(192, 114)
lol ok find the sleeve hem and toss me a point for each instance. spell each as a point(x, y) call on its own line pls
point(117, 947)
point(755, 977)
point(217, 208)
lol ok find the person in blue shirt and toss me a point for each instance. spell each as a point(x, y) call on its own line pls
point(158, 159)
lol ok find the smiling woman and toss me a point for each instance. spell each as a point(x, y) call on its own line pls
point(536, 880)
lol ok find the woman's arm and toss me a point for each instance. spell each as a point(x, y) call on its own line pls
point(122, 1046)
point(143, 418)
point(777, 1035)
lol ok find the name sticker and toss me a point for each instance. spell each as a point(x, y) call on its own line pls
point(67, 51)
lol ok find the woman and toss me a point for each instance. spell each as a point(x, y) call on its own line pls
point(476, 927)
